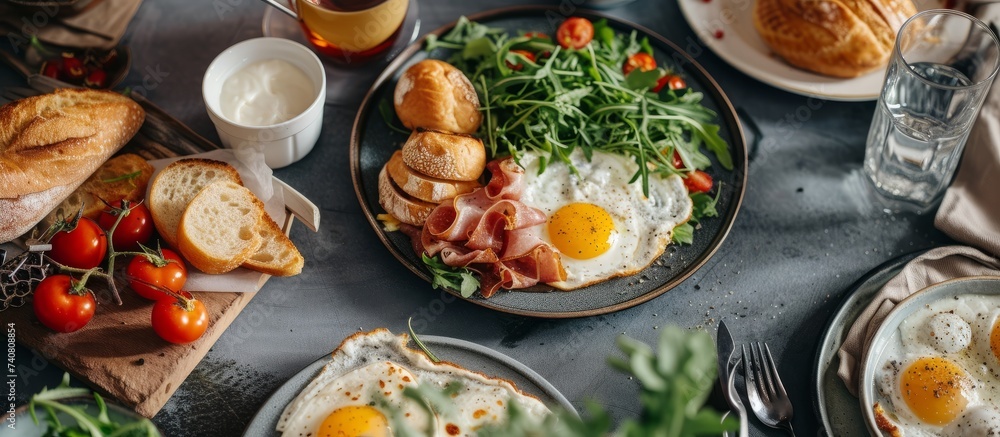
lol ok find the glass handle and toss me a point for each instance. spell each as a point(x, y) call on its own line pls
point(281, 7)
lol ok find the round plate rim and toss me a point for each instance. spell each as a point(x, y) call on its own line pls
point(313, 367)
point(727, 116)
point(838, 322)
point(905, 307)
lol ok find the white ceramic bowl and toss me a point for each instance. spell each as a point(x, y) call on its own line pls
point(888, 332)
point(282, 143)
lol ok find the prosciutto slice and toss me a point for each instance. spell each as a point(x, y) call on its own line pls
point(490, 231)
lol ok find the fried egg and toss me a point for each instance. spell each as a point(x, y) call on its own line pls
point(602, 225)
point(941, 377)
point(359, 391)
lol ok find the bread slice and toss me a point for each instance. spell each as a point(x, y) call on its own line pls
point(424, 187)
point(177, 184)
point(122, 177)
point(399, 204)
point(219, 228)
point(445, 156)
point(277, 255)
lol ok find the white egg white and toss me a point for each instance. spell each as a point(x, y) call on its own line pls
point(482, 400)
point(643, 225)
point(957, 328)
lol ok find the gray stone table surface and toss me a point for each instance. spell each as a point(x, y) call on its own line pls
point(804, 234)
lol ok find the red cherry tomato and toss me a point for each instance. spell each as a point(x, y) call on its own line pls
point(678, 162)
point(73, 67)
point(172, 275)
point(61, 308)
point(538, 35)
point(698, 182)
point(642, 60)
point(519, 66)
point(575, 33)
point(83, 247)
point(97, 78)
point(135, 228)
point(672, 80)
point(179, 320)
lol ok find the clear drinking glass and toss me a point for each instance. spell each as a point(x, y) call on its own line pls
point(941, 68)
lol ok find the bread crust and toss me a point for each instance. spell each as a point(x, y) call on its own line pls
point(445, 156)
point(433, 94)
point(399, 205)
point(842, 38)
point(424, 187)
point(51, 143)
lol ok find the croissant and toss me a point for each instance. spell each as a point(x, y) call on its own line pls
point(842, 38)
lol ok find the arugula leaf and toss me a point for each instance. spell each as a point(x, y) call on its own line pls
point(704, 205)
point(461, 279)
point(86, 425)
point(683, 234)
point(638, 79)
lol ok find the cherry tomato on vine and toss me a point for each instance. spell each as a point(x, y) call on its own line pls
point(61, 308)
point(698, 182)
point(168, 272)
point(519, 66)
point(575, 33)
point(135, 228)
point(674, 81)
point(83, 247)
point(179, 320)
point(642, 60)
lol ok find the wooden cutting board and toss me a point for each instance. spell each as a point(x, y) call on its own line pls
point(117, 353)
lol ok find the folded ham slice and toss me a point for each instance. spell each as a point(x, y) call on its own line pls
point(490, 231)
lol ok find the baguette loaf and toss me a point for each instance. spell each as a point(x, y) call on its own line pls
point(50, 144)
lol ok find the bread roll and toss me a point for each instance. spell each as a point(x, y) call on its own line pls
point(399, 205)
point(424, 187)
point(842, 38)
point(445, 156)
point(433, 94)
point(50, 144)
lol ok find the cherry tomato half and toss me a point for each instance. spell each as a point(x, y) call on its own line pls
point(538, 35)
point(519, 66)
point(83, 247)
point(642, 60)
point(59, 307)
point(698, 182)
point(135, 228)
point(172, 275)
point(179, 322)
point(678, 162)
point(575, 33)
point(672, 80)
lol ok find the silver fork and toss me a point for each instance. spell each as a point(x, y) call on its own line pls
point(768, 398)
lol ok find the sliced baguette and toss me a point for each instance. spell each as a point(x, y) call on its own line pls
point(122, 177)
point(399, 204)
point(177, 184)
point(424, 187)
point(219, 228)
point(277, 255)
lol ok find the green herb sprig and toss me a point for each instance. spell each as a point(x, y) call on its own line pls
point(87, 425)
point(455, 278)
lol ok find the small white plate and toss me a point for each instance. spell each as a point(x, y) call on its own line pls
point(726, 27)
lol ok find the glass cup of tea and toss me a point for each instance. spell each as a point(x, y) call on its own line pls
point(348, 31)
point(939, 73)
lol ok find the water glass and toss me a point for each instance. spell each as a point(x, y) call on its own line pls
point(940, 70)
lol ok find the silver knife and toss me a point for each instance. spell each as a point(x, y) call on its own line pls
point(725, 347)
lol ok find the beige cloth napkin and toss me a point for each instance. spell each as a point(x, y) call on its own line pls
point(969, 213)
point(100, 24)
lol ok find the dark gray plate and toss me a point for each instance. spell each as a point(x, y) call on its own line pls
point(838, 409)
point(372, 143)
point(466, 354)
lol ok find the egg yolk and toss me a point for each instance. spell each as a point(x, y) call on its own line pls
point(355, 421)
point(932, 388)
point(995, 339)
point(582, 230)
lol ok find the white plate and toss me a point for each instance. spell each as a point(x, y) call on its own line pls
point(467, 354)
point(888, 332)
point(741, 46)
